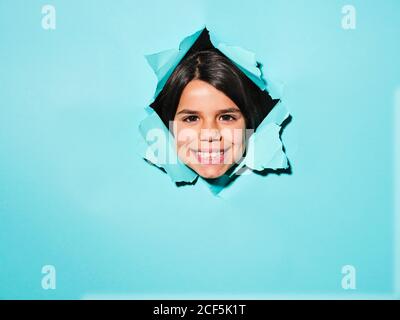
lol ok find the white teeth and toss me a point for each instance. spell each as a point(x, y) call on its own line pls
point(210, 154)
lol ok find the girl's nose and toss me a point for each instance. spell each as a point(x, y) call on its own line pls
point(210, 135)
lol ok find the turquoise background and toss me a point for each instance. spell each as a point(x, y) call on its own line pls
point(74, 193)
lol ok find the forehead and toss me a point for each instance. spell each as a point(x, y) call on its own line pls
point(200, 96)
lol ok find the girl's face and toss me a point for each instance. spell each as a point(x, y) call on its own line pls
point(209, 130)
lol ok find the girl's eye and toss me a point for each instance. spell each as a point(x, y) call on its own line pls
point(227, 117)
point(190, 119)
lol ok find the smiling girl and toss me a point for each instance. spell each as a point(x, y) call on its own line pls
point(209, 105)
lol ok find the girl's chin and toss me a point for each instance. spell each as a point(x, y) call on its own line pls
point(211, 172)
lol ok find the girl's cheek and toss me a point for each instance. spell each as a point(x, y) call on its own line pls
point(186, 136)
point(233, 136)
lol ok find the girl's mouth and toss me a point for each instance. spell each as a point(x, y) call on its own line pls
point(210, 156)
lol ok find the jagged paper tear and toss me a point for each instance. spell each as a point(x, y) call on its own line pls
point(264, 149)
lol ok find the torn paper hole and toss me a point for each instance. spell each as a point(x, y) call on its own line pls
point(214, 116)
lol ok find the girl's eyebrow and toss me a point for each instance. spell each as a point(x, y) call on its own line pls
point(228, 110)
point(187, 111)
